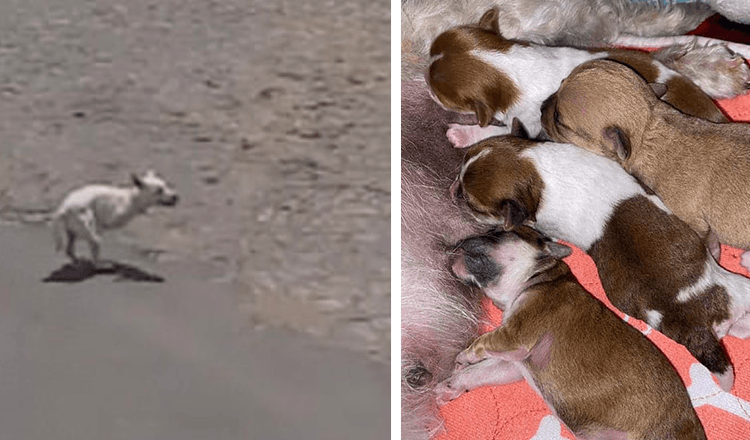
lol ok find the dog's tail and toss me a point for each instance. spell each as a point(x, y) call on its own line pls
point(58, 231)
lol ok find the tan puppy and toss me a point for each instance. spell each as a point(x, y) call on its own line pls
point(600, 376)
point(701, 170)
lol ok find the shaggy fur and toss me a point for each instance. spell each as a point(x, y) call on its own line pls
point(554, 22)
point(440, 316)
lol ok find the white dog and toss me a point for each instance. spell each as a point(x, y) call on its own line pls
point(88, 210)
point(632, 23)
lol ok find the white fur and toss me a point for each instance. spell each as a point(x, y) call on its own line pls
point(565, 22)
point(87, 211)
point(653, 318)
point(517, 260)
point(581, 190)
point(576, 207)
point(704, 282)
point(537, 71)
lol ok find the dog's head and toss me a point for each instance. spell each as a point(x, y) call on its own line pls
point(500, 187)
point(506, 263)
point(461, 81)
point(604, 107)
point(154, 189)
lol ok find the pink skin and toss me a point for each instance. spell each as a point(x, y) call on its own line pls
point(462, 136)
point(491, 371)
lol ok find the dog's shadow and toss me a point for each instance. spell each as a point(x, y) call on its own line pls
point(84, 269)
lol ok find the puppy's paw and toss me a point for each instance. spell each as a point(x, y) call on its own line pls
point(462, 136)
point(719, 71)
point(459, 135)
point(470, 356)
point(446, 391)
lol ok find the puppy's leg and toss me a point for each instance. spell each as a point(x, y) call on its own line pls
point(716, 66)
point(705, 346)
point(462, 136)
point(493, 371)
point(497, 344)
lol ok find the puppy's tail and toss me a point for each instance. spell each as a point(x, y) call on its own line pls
point(58, 232)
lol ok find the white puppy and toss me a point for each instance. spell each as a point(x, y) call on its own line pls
point(88, 210)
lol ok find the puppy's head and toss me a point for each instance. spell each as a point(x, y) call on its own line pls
point(506, 263)
point(460, 81)
point(500, 187)
point(603, 106)
point(155, 189)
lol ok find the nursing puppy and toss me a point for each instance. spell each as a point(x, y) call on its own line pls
point(700, 170)
point(601, 377)
point(474, 69)
point(87, 211)
point(651, 264)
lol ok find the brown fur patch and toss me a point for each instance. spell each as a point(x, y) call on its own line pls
point(584, 368)
point(644, 258)
point(464, 83)
point(502, 175)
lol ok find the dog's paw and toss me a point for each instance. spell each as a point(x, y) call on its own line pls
point(470, 356)
point(446, 391)
point(723, 74)
point(459, 135)
point(462, 136)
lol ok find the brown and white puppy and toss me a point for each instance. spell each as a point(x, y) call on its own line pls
point(701, 170)
point(651, 264)
point(474, 69)
point(601, 377)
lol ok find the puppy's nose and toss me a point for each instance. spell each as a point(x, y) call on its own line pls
point(176, 198)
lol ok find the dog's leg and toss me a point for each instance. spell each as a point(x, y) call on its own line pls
point(94, 246)
point(88, 219)
point(716, 69)
point(70, 248)
point(491, 371)
point(462, 136)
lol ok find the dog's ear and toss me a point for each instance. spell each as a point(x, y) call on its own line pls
point(484, 113)
point(512, 214)
point(517, 129)
point(489, 21)
point(617, 141)
point(659, 89)
point(136, 180)
point(557, 250)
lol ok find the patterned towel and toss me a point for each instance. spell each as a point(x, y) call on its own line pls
point(516, 412)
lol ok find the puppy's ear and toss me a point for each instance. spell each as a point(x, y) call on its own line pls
point(512, 214)
point(484, 113)
point(136, 180)
point(489, 21)
point(659, 88)
point(557, 250)
point(617, 141)
point(517, 129)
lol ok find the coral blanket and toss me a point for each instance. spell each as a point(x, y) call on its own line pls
point(515, 412)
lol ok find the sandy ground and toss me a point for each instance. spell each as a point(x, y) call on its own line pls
point(112, 360)
point(271, 119)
